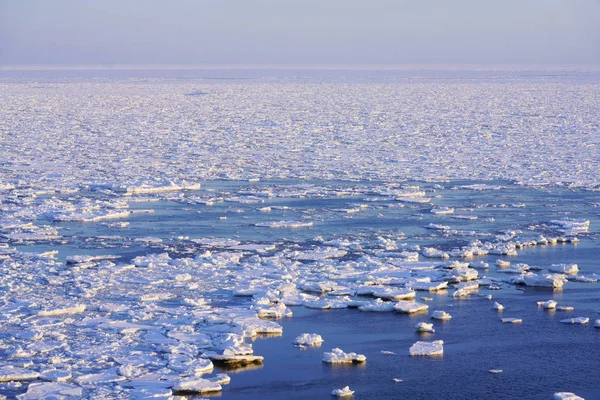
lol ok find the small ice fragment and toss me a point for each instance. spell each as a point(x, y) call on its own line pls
point(442, 315)
point(566, 396)
point(435, 348)
point(337, 356)
point(578, 320)
point(397, 380)
point(424, 327)
point(495, 371)
point(498, 306)
point(502, 263)
point(442, 211)
point(512, 320)
point(548, 305)
point(308, 339)
point(565, 308)
point(479, 265)
point(344, 392)
point(388, 353)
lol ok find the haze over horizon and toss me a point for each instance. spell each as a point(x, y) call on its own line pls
point(309, 32)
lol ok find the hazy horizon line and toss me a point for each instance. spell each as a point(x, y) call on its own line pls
point(374, 67)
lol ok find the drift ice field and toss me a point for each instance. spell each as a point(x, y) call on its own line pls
point(299, 234)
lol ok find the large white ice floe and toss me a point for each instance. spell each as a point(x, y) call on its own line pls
point(308, 340)
point(343, 392)
point(435, 348)
point(428, 286)
point(337, 356)
point(394, 293)
point(410, 307)
point(51, 390)
point(544, 280)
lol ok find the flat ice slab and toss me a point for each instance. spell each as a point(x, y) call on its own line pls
point(410, 307)
point(51, 390)
point(196, 386)
point(511, 320)
point(78, 309)
point(285, 224)
point(9, 373)
point(435, 348)
point(394, 293)
point(578, 320)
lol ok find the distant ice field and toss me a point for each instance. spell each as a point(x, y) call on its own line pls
point(124, 128)
point(286, 234)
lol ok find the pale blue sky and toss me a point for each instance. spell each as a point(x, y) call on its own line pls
point(307, 32)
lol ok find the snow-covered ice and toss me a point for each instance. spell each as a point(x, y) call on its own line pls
point(435, 348)
point(424, 327)
point(337, 356)
point(308, 339)
point(410, 307)
point(441, 315)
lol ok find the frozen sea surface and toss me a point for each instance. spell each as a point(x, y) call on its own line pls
point(138, 254)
